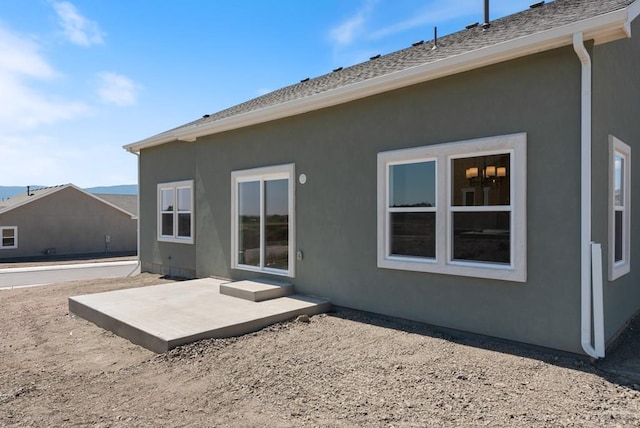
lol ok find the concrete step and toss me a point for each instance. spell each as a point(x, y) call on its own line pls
point(258, 290)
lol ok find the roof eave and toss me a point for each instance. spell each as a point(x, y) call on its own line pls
point(601, 29)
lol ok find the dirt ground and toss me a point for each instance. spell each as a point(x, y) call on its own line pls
point(344, 369)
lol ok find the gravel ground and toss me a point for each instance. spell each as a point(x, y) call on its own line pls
point(343, 369)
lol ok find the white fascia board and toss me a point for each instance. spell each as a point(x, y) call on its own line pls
point(601, 29)
point(156, 140)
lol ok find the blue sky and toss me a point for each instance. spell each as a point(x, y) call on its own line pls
point(79, 79)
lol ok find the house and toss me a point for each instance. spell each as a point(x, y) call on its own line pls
point(66, 220)
point(481, 181)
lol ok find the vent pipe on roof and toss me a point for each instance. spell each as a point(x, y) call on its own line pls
point(435, 37)
point(486, 24)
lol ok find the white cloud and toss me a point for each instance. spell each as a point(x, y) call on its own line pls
point(44, 159)
point(437, 12)
point(78, 29)
point(441, 11)
point(117, 89)
point(20, 55)
point(21, 106)
point(345, 33)
point(361, 35)
point(30, 159)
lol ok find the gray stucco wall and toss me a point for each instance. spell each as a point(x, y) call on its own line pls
point(167, 163)
point(70, 222)
point(336, 209)
point(616, 111)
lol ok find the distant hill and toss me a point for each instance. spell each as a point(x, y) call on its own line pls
point(124, 189)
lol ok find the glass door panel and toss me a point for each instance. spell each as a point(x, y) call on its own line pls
point(276, 233)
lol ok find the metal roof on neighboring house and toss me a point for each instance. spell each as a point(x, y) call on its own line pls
point(29, 195)
point(543, 27)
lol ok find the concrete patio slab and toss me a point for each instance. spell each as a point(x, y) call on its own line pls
point(161, 317)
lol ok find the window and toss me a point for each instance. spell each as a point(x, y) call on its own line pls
point(9, 237)
point(412, 209)
point(263, 220)
point(175, 208)
point(480, 218)
point(456, 208)
point(619, 208)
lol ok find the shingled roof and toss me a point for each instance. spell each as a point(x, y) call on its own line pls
point(28, 195)
point(539, 28)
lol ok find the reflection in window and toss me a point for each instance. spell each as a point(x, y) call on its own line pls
point(481, 237)
point(167, 199)
point(412, 185)
point(413, 234)
point(276, 224)
point(619, 208)
point(8, 237)
point(618, 197)
point(184, 199)
point(176, 205)
point(249, 223)
point(618, 238)
point(184, 212)
point(167, 211)
point(411, 211)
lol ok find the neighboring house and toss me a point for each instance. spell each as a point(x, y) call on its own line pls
point(65, 220)
point(459, 182)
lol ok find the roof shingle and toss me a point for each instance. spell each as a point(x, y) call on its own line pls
point(526, 23)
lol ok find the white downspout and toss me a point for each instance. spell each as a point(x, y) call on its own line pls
point(592, 319)
point(139, 265)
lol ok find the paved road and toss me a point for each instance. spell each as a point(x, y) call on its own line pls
point(41, 275)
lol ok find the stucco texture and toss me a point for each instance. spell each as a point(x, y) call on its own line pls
point(336, 209)
point(616, 112)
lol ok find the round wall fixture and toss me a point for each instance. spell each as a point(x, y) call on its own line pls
point(302, 178)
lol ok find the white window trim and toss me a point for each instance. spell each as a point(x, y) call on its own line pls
point(623, 267)
point(515, 144)
point(185, 184)
point(265, 173)
point(15, 238)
